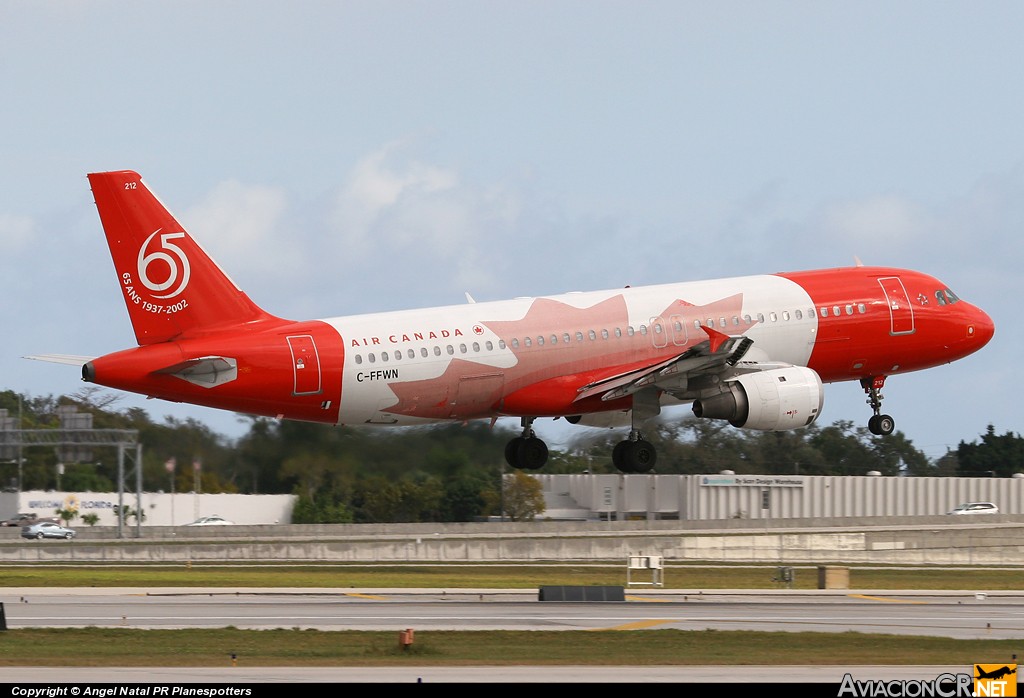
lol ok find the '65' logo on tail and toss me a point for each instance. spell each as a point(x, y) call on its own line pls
point(167, 262)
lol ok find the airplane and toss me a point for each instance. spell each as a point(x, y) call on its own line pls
point(753, 351)
point(995, 673)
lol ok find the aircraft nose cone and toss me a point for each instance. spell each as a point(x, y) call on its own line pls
point(980, 327)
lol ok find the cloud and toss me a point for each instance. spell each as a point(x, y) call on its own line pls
point(410, 213)
point(16, 232)
point(377, 192)
point(242, 225)
point(883, 220)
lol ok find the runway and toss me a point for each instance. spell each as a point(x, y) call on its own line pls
point(720, 676)
point(964, 615)
point(958, 614)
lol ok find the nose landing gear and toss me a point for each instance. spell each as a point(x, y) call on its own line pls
point(879, 424)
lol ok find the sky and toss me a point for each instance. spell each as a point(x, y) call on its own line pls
point(343, 157)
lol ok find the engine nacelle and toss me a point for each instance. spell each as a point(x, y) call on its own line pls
point(773, 400)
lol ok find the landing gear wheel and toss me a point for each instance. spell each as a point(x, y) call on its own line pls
point(532, 453)
point(617, 457)
point(511, 449)
point(526, 453)
point(634, 456)
point(641, 456)
point(881, 425)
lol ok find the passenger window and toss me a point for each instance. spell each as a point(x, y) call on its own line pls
point(799, 314)
point(747, 319)
point(760, 317)
point(579, 336)
point(515, 343)
point(476, 347)
point(592, 334)
point(824, 312)
point(398, 354)
point(489, 345)
point(383, 356)
point(735, 320)
point(618, 331)
point(643, 330)
point(462, 349)
point(710, 323)
point(785, 315)
point(565, 337)
point(604, 334)
point(540, 341)
point(773, 317)
point(437, 351)
point(554, 339)
point(359, 358)
point(630, 331)
point(849, 310)
point(412, 354)
point(861, 308)
point(527, 342)
point(423, 352)
point(450, 349)
point(501, 344)
point(835, 310)
point(372, 358)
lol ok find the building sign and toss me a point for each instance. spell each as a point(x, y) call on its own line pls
point(751, 481)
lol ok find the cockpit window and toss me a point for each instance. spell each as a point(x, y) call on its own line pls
point(951, 296)
point(940, 296)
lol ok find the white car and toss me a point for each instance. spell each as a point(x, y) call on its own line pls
point(976, 508)
point(211, 521)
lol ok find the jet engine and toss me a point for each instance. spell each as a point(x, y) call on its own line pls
point(774, 400)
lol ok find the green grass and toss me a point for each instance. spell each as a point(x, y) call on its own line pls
point(210, 648)
point(488, 576)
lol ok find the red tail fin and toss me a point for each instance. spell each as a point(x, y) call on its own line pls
point(171, 286)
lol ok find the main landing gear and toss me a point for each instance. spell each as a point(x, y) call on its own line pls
point(879, 424)
point(634, 455)
point(528, 452)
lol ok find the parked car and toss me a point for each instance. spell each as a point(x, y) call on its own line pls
point(27, 519)
point(47, 529)
point(976, 508)
point(211, 521)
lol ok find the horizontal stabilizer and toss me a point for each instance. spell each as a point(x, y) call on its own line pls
point(70, 359)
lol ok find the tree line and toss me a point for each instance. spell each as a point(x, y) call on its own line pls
point(448, 472)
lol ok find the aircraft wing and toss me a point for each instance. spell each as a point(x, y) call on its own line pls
point(715, 354)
